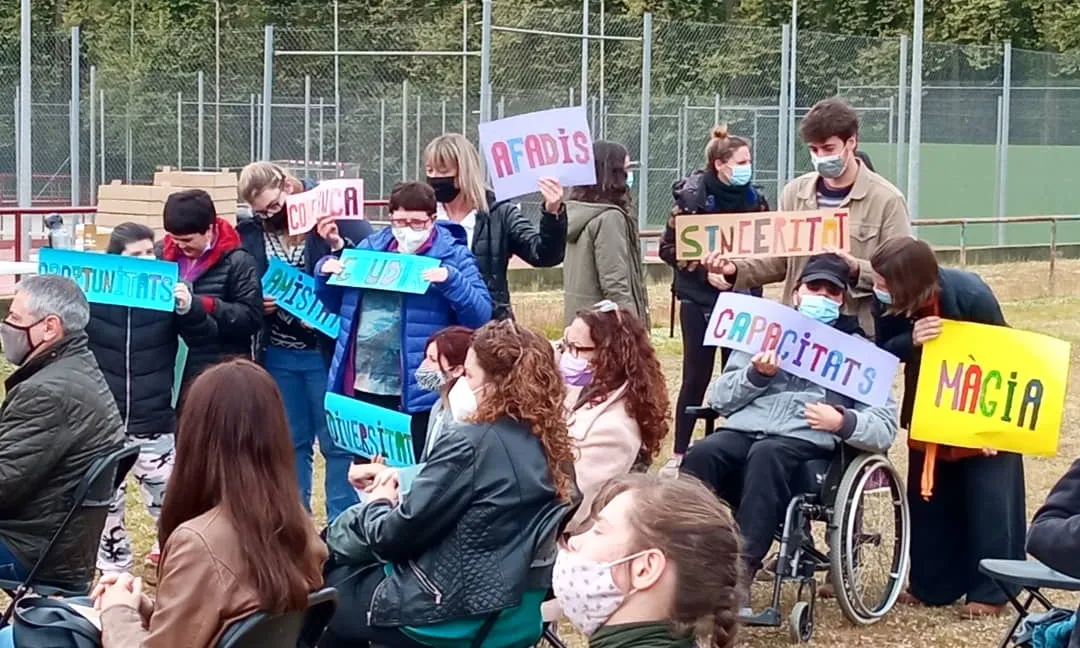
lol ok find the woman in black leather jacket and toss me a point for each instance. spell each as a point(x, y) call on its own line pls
point(722, 187)
point(450, 556)
point(496, 230)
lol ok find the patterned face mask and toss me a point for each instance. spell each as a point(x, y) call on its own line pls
point(586, 589)
point(428, 379)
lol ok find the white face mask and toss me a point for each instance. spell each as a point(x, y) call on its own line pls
point(462, 400)
point(410, 240)
point(586, 589)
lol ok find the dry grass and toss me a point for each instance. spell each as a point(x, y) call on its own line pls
point(1028, 304)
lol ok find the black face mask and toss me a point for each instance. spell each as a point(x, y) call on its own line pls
point(275, 222)
point(445, 188)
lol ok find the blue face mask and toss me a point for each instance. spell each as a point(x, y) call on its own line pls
point(630, 179)
point(883, 296)
point(740, 175)
point(820, 308)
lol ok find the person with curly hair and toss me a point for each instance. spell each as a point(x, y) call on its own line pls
point(442, 560)
point(616, 398)
point(658, 569)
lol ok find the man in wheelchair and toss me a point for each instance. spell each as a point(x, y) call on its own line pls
point(775, 422)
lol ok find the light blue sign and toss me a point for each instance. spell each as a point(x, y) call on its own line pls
point(368, 430)
point(384, 271)
point(295, 294)
point(114, 279)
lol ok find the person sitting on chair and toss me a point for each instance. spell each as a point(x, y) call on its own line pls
point(775, 421)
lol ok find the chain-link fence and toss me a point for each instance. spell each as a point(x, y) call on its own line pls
point(999, 132)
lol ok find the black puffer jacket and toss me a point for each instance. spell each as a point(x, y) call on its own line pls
point(1054, 534)
point(226, 311)
point(57, 418)
point(462, 541)
point(136, 350)
point(692, 197)
point(504, 232)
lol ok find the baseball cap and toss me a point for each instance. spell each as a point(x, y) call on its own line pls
point(826, 267)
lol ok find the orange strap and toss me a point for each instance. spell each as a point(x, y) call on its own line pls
point(929, 459)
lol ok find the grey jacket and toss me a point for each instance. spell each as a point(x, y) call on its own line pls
point(603, 261)
point(757, 404)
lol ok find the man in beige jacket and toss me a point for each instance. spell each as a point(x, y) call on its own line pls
point(840, 180)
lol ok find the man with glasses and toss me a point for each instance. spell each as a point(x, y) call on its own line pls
point(226, 303)
point(383, 334)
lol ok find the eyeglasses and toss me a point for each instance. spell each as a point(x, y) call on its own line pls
point(418, 224)
point(566, 346)
point(275, 205)
point(607, 306)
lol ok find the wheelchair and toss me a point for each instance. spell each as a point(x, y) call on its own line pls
point(862, 501)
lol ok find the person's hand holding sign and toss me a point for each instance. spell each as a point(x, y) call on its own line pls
point(718, 281)
point(327, 228)
point(823, 417)
point(269, 305)
point(766, 363)
point(926, 329)
point(552, 192)
point(182, 295)
point(716, 263)
point(436, 275)
point(331, 267)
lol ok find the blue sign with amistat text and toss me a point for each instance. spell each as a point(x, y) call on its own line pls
point(294, 292)
point(115, 279)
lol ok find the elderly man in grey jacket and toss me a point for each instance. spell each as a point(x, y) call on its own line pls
point(776, 421)
point(58, 416)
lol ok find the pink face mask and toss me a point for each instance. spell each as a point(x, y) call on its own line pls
point(586, 589)
point(576, 371)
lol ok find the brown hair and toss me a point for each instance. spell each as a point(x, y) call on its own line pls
point(624, 355)
point(451, 343)
point(236, 454)
point(697, 534)
point(611, 174)
point(829, 118)
point(722, 145)
point(257, 177)
point(453, 152)
point(413, 196)
point(526, 386)
point(910, 268)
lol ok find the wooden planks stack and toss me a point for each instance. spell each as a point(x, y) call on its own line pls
point(121, 203)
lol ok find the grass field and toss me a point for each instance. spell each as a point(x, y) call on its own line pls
point(1027, 305)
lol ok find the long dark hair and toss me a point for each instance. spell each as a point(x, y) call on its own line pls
point(611, 174)
point(910, 269)
point(625, 356)
point(125, 233)
point(236, 454)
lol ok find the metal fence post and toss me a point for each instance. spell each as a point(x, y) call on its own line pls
point(258, 127)
point(646, 99)
point(404, 129)
point(416, 146)
point(337, 86)
point(1003, 160)
point(444, 118)
point(101, 133)
point(268, 88)
point(217, 84)
point(585, 53)
point(485, 62)
point(200, 114)
point(179, 130)
point(93, 133)
point(793, 93)
point(26, 164)
point(251, 129)
point(464, 72)
point(901, 115)
point(322, 158)
point(915, 132)
point(781, 112)
point(1053, 253)
point(382, 147)
point(307, 125)
point(73, 117)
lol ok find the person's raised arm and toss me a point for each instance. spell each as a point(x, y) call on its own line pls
point(241, 314)
point(540, 246)
point(872, 429)
point(1054, 534)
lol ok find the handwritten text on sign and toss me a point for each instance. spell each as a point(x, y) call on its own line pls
point(837, 361)
point(115, 279)
point(761, 234)
point(552, 143)
point(340, 198)
point(384, 271)
point(368, 430)
point(984, 386)
point(295, 294)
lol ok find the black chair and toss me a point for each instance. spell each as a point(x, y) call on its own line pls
point(1031, 576)
point(832, 491)
point(301, 629)
point(95, 491)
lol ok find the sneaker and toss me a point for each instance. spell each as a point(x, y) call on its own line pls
point(670, 469)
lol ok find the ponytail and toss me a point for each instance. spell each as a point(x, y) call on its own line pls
point(722, 145)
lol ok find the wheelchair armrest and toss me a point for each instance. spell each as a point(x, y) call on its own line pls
point(703, 412)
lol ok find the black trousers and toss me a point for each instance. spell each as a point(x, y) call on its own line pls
point(753, 474)
point(349, 627)
point(697, 369)
point(418, 422)
point(977, 511)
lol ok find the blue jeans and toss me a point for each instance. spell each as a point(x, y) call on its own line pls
point(301, 377)
point(11, 568)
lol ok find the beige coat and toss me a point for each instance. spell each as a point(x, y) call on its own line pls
point(877, 212)
point(607, 443)
point(203, 589)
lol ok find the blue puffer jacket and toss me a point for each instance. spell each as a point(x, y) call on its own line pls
point(462, 299)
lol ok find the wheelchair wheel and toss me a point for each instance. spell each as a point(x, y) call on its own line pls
point(801, 623)
point(869, 537)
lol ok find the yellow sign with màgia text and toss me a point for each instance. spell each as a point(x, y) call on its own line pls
point(984, 386)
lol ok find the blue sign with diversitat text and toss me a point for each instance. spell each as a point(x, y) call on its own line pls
point(295, 294)
point(114, 279)
point(368, 430)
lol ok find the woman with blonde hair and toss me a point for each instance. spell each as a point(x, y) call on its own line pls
point(295, 354)
point(496, 230)
point(450, 557)
point(724, 186)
